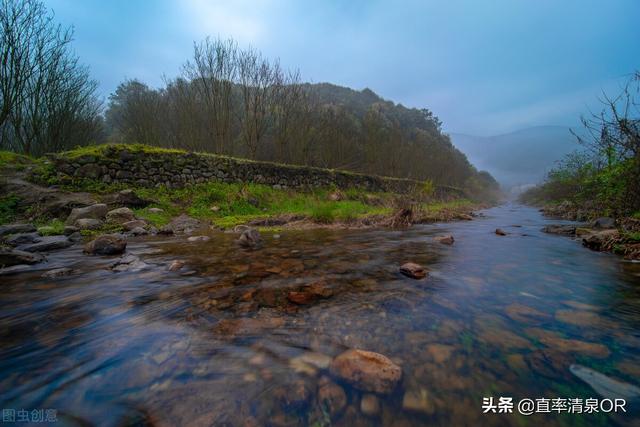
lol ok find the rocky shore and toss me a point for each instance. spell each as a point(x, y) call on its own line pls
point(605, 234)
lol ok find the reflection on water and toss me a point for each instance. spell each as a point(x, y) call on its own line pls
point(222, 342)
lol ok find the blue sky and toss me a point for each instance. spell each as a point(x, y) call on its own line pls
point(484, 67)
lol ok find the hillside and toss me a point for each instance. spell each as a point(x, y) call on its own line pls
point(518, 158)
point(320, 125)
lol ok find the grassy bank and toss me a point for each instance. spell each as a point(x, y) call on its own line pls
point(226, 205)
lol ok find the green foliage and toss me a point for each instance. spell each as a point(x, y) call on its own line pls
point(323, 213)
point(9, 159)
point(52, 228)
point(8, 208)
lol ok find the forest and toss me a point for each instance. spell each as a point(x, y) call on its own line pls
point(226, 100)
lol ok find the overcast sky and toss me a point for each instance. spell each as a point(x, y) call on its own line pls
point(484, 67)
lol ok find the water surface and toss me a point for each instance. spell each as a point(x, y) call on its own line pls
point(497, 316)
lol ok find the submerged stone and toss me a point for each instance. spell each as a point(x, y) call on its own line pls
point(445, 240)
point(413, 270)
point(367, 371)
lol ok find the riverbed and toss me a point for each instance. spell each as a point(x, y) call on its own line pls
point(218, 342)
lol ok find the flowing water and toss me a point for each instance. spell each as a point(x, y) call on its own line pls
point(218, 342)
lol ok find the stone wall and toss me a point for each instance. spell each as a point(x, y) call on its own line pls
point(119, 164)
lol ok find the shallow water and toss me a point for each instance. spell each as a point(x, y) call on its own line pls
point(497, 316)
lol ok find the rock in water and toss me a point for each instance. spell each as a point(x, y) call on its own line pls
point(128, 263)
point(250, 238)
point(563, 229)
point(46, 244)
point(10, 257)
point(5, 230)
point(132, 225)
point(605, 386)
point(331, 397)
point(97, 211)
point(370, 405)
point(367, 371)
point(176, 265)
point(23, 238)
point(108, 244)
point(413, 270)
point(445, 240)
point(500, 232)
point(57, 272)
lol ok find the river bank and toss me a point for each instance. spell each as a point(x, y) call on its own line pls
point(40, 213)
point(620, 236)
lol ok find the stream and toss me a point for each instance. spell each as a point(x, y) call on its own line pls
point(219, 343)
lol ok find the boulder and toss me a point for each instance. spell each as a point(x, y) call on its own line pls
point(413, 270)
point(182, 224)
point(604, 223)
point(23, 238)
point(250, 238)
point(367, 371)
point(136, 223)
point(445, 240)
point(88, 224)
point(108, 244)
point(97, 211)
point(599, 239)
point(120, 215)
point(6, 230)
point(10, 257)
point(48, 243)
point(138, 231)
point(562, 229)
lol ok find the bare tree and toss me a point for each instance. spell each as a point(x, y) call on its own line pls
point(256, 77)
point(47, 99)
point(213, 71)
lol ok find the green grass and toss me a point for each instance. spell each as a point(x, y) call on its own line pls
point(52, 228)
point(10, 159)
point(102, 149)
point(241, 203)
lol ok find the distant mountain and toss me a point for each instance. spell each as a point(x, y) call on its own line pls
point(519, 158)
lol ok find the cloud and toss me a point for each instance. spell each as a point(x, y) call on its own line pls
point(245, 21)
